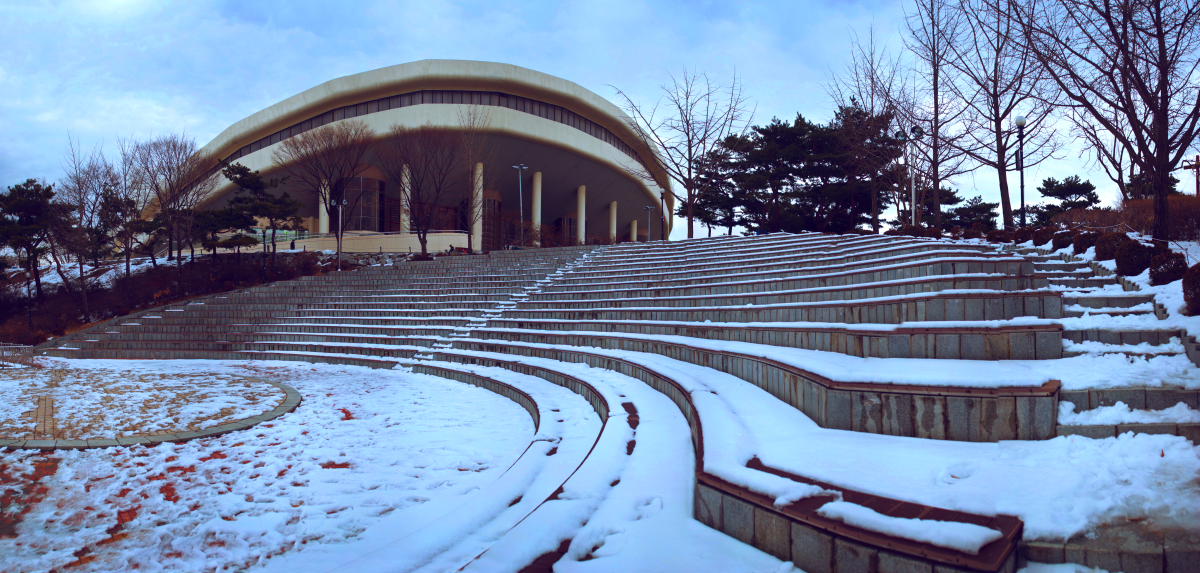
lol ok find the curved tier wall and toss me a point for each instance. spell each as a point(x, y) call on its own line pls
point(879, 335)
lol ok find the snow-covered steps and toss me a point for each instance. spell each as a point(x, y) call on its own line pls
point(1143, 347)
point(778, 510)
point(1081, 282)
point(970, 340)
point(973, 304)
point(1107, 300)
point(837, 396)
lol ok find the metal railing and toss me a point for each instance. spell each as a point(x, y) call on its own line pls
point(7, 349)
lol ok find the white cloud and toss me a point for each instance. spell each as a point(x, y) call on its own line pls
point(102, 69)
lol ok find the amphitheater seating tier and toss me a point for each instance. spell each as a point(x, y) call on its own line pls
point(728, 307)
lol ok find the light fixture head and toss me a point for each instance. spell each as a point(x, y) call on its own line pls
point(901, 136)
point(1019, 120)
point(520, 166)
point(917, 132)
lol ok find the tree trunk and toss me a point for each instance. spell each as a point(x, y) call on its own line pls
point(875, 210)
point(58, 269)
point(691, 200)
point(37, 274)
point(83, 292)
point(1006, 213)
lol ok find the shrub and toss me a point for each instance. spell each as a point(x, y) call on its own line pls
point(1191, 289)
point(1062, 240)
point(1022, 235)
point(1084, 241)
point(1167, 267)
point(1133, 258)
point(1107, 244)
point(1043, 235)
point(999, 236)
point(1184, 216)
point(1088, 218)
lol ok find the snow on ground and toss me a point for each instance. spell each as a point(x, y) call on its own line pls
point(363, 444)
point(1109, 370)
point(107, 402)
point(1059, 487)
point(1169, 295)
point(1121, 413)
point(378, 470)
point(1032, 567)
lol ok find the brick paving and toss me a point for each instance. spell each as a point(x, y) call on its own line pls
point(125, 408)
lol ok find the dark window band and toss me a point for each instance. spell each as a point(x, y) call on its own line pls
point(523, 104)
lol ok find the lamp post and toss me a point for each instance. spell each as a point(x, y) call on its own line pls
point(1020, 121)
point(649, 209)
point(905, 138)
point(902, 137)
point(520, 167)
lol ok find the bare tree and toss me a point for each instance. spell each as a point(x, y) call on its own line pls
point(695, 117)
point(1104, 149)
point(432, 161)
point(474, 122)
point(1131, 68)
point(997, 79)
point(85, 234)
point(178, 176)
point(872, 82)
point(932, 28)
point(127, 201)
point(325, 159)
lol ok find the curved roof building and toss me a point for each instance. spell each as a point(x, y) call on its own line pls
point(590, 177)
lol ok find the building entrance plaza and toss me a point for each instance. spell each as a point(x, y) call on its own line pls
point(588, 177)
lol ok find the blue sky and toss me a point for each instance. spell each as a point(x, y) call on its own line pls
point(97, 70)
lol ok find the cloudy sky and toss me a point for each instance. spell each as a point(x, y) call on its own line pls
point(97, 71)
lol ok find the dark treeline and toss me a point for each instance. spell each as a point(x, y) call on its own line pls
point(836, 177)
point(98, 216)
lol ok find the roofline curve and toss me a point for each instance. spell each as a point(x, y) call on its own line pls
point(441, 75)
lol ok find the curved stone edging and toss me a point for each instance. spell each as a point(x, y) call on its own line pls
point(790, 533)
point(291, 401)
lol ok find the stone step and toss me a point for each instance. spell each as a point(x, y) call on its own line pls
point(1107, 300)
point(1091, 282)
point(1080, 312)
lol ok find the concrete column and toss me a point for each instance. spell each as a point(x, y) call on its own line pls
point(612, 222)
point(322, 216)
point(405, 196)
point(477, 208)
point(581, 215)
point(633, 230)
point(535, 209)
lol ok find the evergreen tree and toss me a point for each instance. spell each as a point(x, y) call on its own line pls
point(974, 214)
point(718, 201)
point(1142, 187)
point(255, 200)
point(1071, 193)
point(27, 214)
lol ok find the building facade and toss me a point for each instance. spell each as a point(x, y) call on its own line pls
point(588, 176)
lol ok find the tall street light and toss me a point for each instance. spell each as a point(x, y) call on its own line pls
point(649, 209)
point(521, 167)
point(1020, 121)
point(905, 138)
